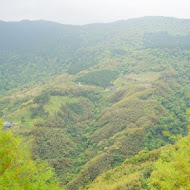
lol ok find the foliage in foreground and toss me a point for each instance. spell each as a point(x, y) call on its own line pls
point(172, 170)
point(18, 171)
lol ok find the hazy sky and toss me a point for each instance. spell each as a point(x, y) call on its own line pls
point(90, 11)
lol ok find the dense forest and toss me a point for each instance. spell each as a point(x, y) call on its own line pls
point(100, 106)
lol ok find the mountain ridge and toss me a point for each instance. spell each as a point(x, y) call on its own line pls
point(99, 23)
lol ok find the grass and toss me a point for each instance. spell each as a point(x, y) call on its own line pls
point(56, 101)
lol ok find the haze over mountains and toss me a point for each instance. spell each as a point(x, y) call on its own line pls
point(86, 98)
point(71, 44)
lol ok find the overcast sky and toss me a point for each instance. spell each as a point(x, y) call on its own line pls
point(90, 11)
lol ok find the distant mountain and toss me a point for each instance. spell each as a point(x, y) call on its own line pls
point(36, 35)
point(43, 34)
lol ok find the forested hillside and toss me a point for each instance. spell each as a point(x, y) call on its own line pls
point(90, 98)
point(164, 168)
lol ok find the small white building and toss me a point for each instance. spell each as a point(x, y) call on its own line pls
point(111, 88)
point(7, 124)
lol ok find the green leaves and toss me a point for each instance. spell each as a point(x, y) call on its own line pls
point(172, 170)
point(18, 171)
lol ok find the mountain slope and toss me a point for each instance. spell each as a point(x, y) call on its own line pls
point(164, 168)
point(89, 97)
